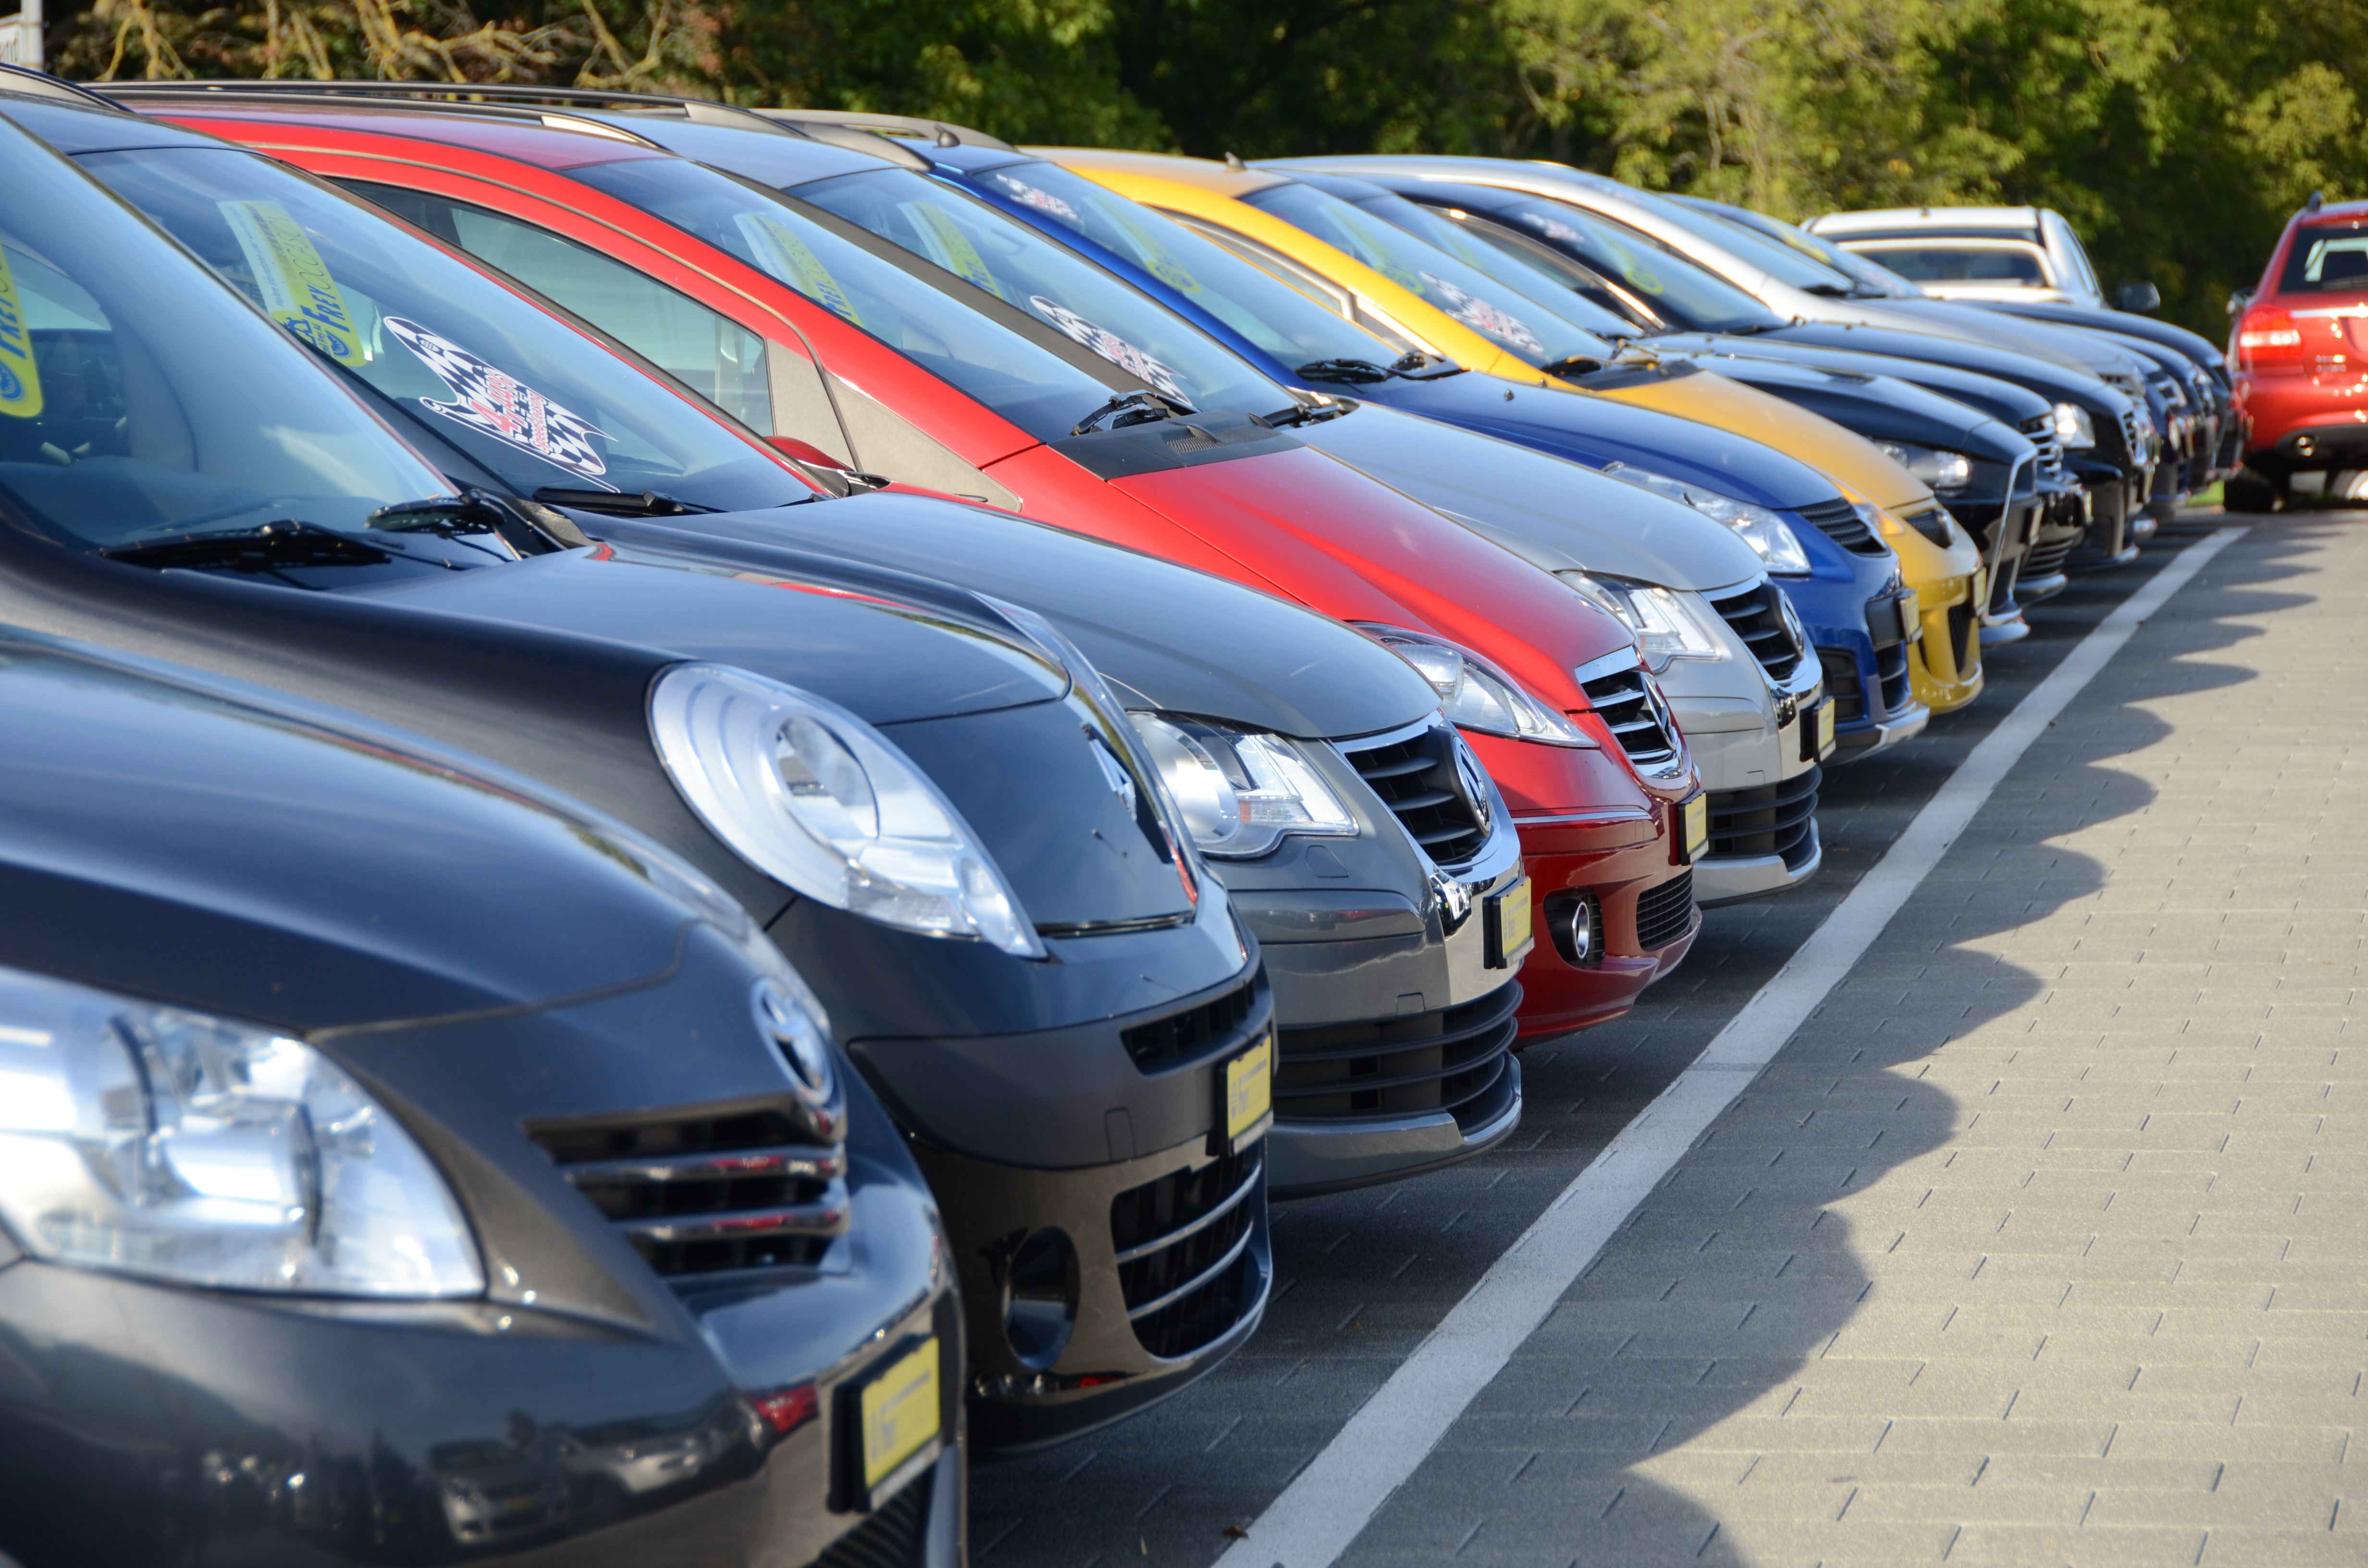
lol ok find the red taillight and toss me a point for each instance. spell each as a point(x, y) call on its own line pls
point(2267, 337)
point(786, 1410)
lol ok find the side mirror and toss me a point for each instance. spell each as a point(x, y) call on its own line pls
point(2138, 298)
point(2239, 300)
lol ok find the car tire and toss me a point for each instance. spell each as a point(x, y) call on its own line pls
point(2245, 490)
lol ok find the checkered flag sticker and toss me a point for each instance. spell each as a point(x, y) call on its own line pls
point(495, 404)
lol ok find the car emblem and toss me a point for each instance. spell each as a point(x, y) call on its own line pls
point(1475, 785)
point(789, 1026)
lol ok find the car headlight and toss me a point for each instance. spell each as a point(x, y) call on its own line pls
point(1668, 625)
point(1936, 467)
point(1769, 535)
point(1241, 793)
point(814, 797)
point(1476, 693)
point(158, 1141)
point(2074, 430)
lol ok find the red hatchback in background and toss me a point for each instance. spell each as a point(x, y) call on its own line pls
point(1603, 840)
point(2298, 357)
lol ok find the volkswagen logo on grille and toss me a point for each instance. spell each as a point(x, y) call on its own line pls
point(785, 1020)
point(1475, 785)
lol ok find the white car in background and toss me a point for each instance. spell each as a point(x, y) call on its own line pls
point(2019, 254)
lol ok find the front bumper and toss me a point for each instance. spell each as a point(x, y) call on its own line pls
point(1758, 754)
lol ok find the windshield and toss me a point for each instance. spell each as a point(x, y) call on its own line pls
point(141, 401)
point(1779, 261)
point(1816, 247)
point(1528, 329)
point(1264, 310)
point(532, 399)
point(1018, 265)
point(1966, 263)
point(1032, 387)
point(2327, 258)
point(1538, 278)
point(1602, 253)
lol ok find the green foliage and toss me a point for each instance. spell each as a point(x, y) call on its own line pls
point(2177, 135)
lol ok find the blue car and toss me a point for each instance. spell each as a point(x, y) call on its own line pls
point(1847, 598)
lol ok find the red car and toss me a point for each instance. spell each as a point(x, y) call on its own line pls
point(2299, 357)
point(984, 401)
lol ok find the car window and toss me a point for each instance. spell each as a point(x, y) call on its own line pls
point(2327, 258)
point(531, 397)
point(993, 251)
point(1525, 327)
point(141, 401)
point(1936, 263)
point(1679, 291)
point(1536, 277)
point(1850, 265)
point(1267, 310)
point(1027, 384)
point(1781, 262)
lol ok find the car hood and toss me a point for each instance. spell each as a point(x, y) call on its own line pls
point(1597, 431)
point(2000, 399)
point(1880, 408)
point(887, 652)
point(1180, 641)
point(2195, 346)
point(2050, 379)
point(208, 844)
point(1979, 324)
point(1553, 512)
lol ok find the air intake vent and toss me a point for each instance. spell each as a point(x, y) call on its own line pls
point(700, 1194)
point(1451, 1060)
point(2040, 429)
point(1183, 1252)
point(1626, 705)
point(1843, 685)
point(1663, 913)
point(1774, 819)
point(1756, 614)
point(1932, 522)
point(895, 1536)
point(1416, 774)
point(1209, 1029)
point(1839, 521)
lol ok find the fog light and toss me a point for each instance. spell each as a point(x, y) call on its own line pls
point(1575, 923)
point(1040, 1298)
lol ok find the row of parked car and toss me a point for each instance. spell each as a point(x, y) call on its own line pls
point(701, 803)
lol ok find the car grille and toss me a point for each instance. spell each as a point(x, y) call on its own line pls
point(1842, 684)
point(1964, 623)
point(1891, 670)
point(1663, 913)
point(1932, 522)
point(1418, 777)
point(1774, 819)
point(1756, 614)
point(2046, 560)
point(1626, 707)
point(895, 1535)
point(1183, 1251)
point(1209, 1029)
point(1839, 521)
point(698, 1194)
point(2039, 430)
point(1447, 1059)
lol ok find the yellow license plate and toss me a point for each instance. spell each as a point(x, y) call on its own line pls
point(900, 1413)
point(1826, 726)
point(1697, 819)
point(1249, 1089)
point(1513, 916)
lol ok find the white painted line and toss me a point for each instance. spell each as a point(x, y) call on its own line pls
point(1320, 1514)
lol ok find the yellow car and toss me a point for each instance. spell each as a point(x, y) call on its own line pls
point(1394, 284)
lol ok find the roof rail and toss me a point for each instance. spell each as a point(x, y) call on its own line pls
point(35, 83)
point(513, 97)
point(937, 131)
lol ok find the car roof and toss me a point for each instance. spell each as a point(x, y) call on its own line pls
point(1955, 219)
point(1205, 173)
point(544, 139)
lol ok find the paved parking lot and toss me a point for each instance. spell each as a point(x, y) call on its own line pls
point(2037, 1244)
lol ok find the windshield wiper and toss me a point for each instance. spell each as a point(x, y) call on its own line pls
point(289, 541)
point(1573, 367)
point(618, 503)
point(1830, 291)
point(1353, 372)
point(1309, 414)
point(1131, 408)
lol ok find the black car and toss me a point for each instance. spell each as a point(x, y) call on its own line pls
point(934, 805)
point(398, 1163)
point(1283, 735)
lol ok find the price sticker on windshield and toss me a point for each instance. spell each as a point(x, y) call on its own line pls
point(20, 378)
point(291, 277)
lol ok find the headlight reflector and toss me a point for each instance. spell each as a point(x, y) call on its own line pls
point(194, 1149)
point(808, 793)
point(1241, 793)
point(1769, 535)
point(2074, 430)
point(1475, 694)
point(1668, 625)
point(1939, 469)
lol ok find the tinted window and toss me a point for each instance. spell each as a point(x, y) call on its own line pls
point(1780, 262)
point(1035, 388)
point(529, 396)
point(1263, 309)
point(1676, 290)
point(2327, 259)
point(1525, 327)
point(141, 400)
point(1022, 268)
point(1963, 263)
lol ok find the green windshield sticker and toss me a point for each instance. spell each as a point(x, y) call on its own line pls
point(294, 282)
point(951, 249)
point(20, 379)
point(776, 247)
point(1156, 258)
point(1375, 251)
